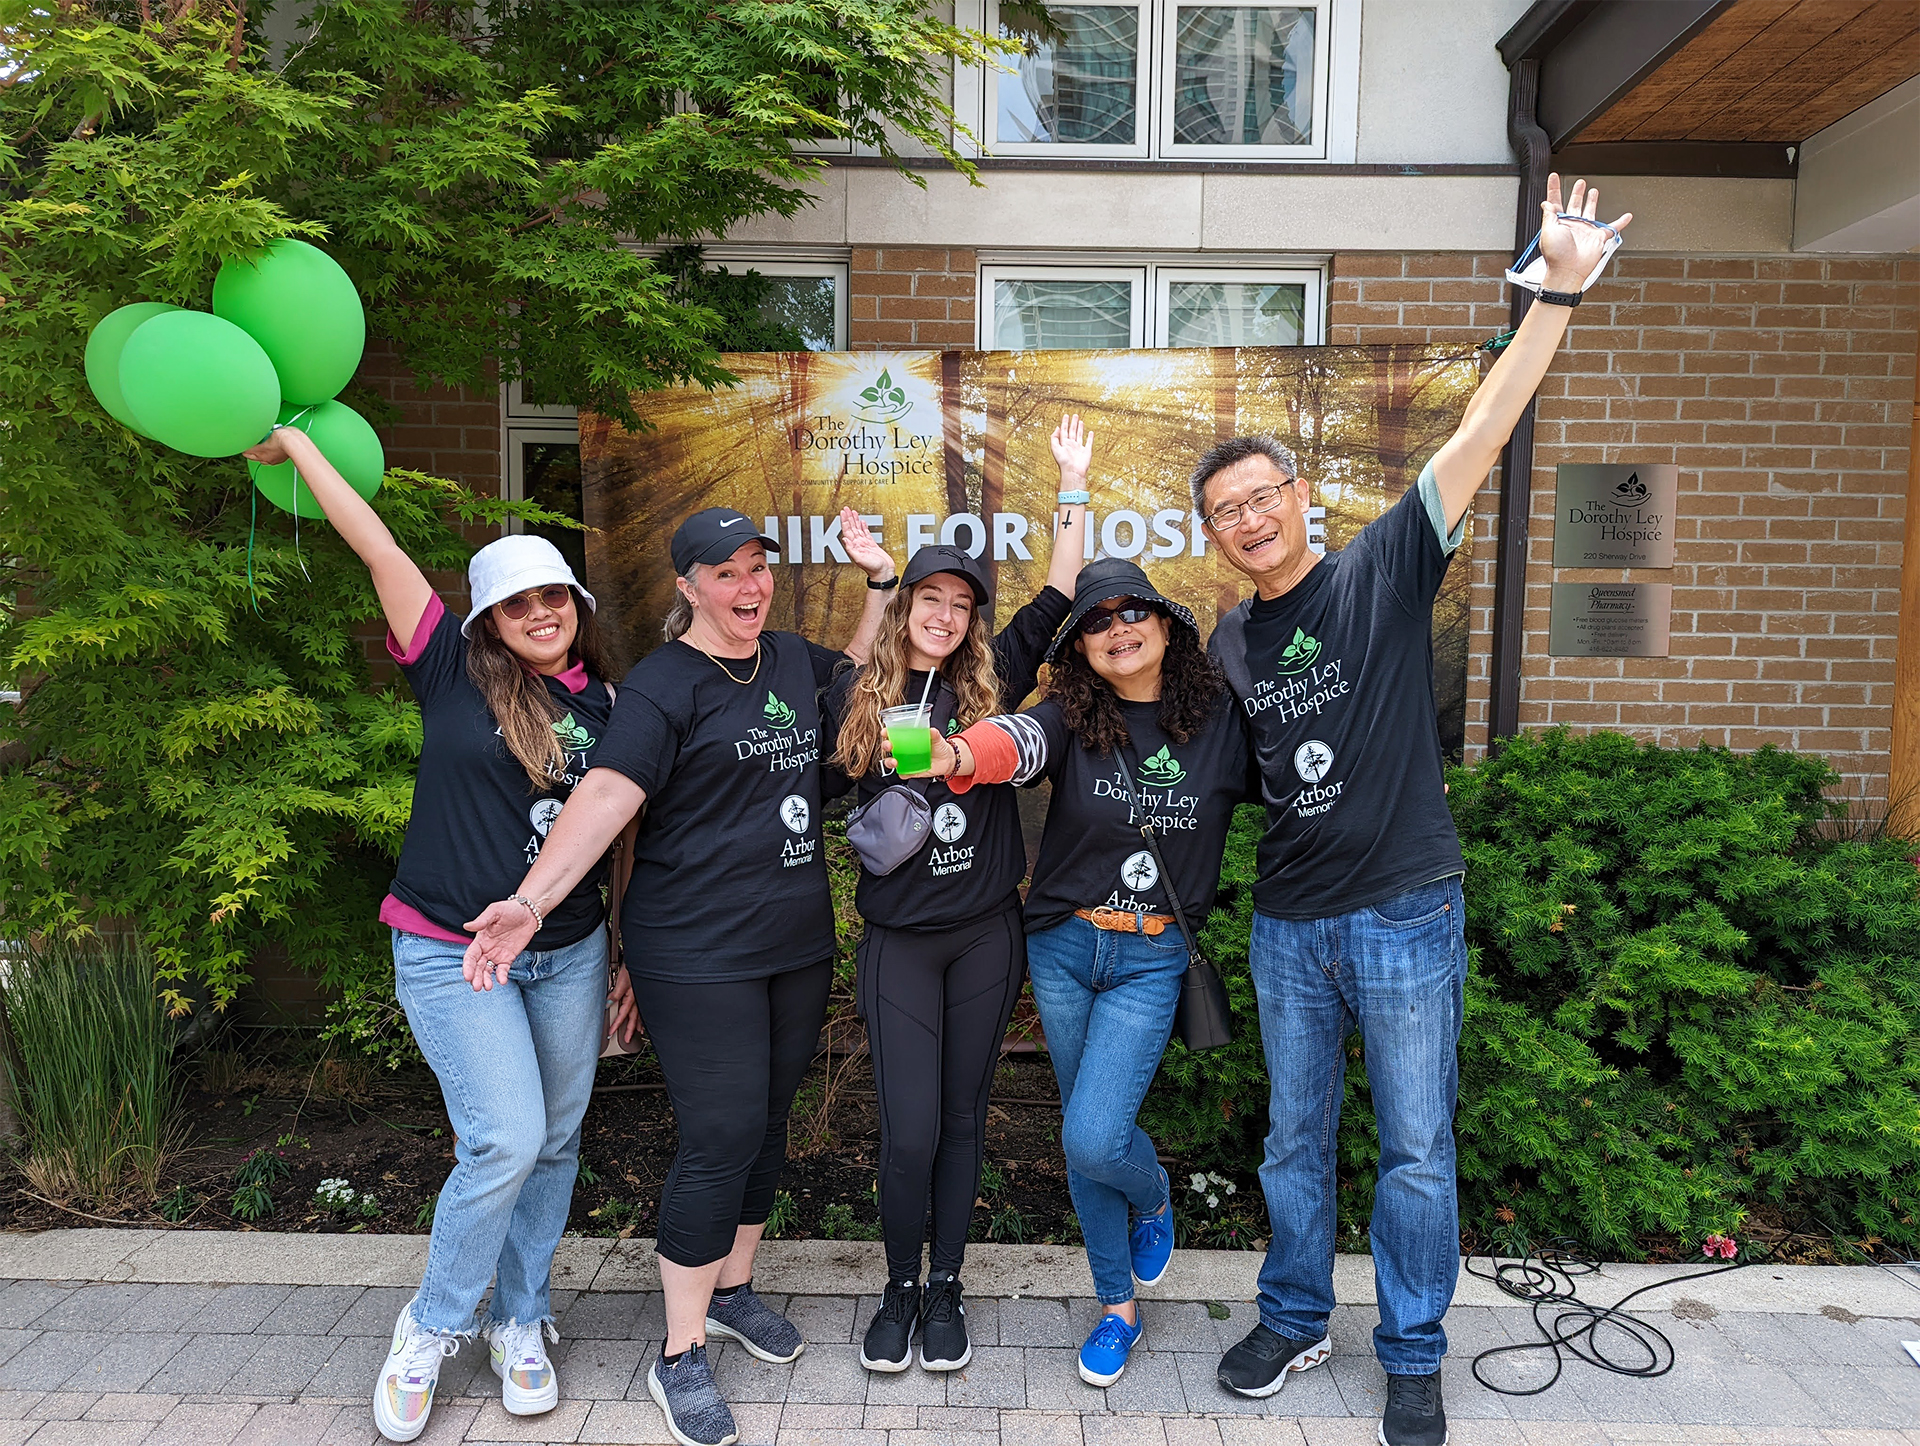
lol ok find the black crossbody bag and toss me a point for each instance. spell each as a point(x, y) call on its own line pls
point(1203, 1019)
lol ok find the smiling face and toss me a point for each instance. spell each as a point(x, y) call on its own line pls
point(1269, 547)
point(1127, 655)
point(937, 618)
point(730, 600)
point(543, 639)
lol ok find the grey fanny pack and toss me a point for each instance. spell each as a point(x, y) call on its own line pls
point(890, 828)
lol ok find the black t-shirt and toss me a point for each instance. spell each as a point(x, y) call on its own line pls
point(729, 875)
point(977, 856)
point(1336, 678)
point(477, 821)
point(1092, 854)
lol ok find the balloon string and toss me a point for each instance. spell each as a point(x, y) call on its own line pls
point(253, 521)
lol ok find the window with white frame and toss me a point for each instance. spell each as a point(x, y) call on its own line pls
point(1051, 305)
point(1215, 79)
point(540, 445)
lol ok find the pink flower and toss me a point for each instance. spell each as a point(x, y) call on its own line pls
point(1725, 1247)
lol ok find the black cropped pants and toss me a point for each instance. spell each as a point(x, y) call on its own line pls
point(733, 1053)
point(936, 1004)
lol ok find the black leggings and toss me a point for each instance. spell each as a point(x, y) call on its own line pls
point(733, 1053)
point(936, 1005)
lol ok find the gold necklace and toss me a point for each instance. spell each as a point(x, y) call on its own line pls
point(743, 682)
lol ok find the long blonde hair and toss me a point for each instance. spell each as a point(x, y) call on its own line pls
point(518, 698)
point(882, 683)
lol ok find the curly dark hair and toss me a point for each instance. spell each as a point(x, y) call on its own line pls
point(1190, 685)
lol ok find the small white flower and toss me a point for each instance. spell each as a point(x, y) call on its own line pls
point(1213, 1201)
point(1230, 1189)
point(1199, 1182)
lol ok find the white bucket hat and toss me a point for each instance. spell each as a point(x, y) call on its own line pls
point(515, 564)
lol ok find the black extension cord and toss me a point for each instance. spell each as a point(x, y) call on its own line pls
point(1546, 1279)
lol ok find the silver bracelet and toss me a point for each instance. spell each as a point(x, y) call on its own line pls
point(539, 919)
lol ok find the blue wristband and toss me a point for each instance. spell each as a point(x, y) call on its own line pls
point(1083, 497)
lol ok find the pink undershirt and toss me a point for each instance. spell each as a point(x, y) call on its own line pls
point(393, 913)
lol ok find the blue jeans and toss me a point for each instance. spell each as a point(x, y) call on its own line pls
point(1397, 969)
point(516, 1068)
point(1106, 1002)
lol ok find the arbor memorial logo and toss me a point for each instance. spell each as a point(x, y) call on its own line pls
point(1312, 760)
point(778, 713)
point(1299, 654)
point(884, 401)
point(948, 822)
point(542, 815)
point(1162, 770)
point(794, 813)
point(1140, 873)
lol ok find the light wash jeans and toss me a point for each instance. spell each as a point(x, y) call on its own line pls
point(516, 1068)
point(1397, 969)
point(1106, 1003)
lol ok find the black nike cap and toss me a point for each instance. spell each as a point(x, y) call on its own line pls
point(713, 535)
point(938, 557)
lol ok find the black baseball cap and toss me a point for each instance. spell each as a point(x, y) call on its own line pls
point(1114, 577)
point(713, 535)
point(941, 558)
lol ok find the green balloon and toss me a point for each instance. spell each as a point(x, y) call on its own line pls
point(198, 384)
point(344, 439)
point(302, 309)
point(104, 344)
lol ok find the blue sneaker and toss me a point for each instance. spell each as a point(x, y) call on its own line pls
point(1104, 1356)
point(1151, 1241)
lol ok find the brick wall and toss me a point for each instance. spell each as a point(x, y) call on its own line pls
point(451, 432)
point(1780, 386)
point(910, 297)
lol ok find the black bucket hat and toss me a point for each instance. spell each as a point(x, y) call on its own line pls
point(938, 557)
point(714, 534)
point(1115, 577)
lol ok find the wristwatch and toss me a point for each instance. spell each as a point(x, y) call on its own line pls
point(886, 586)
point(1559, 298)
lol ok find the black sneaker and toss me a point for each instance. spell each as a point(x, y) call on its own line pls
point(1258, 1366)
point(943, 1326)
point(684, 1390)
point(742, 1316)
point(889, 1342)
point(1414, 1416)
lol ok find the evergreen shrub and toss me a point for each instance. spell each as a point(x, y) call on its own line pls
point(1685, 999)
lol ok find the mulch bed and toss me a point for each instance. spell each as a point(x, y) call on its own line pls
point(386, 1133)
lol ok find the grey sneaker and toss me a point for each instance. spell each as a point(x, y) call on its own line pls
point(767, 1335)
point(688, 1398)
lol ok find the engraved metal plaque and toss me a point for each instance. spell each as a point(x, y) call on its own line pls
point(1614, 514)
point(1610, 619)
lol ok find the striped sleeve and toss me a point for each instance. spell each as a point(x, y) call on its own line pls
point(1010, 748)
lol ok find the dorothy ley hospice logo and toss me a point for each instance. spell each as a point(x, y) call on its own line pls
point(1632, 492)
point(884, 401)
point(1160, 770)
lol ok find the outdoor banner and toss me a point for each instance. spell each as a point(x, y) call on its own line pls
point(951, 446)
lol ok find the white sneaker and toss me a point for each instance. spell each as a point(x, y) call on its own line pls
point(403, 1395)
point(528, 1384)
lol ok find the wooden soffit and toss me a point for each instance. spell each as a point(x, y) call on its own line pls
point(1767, 71)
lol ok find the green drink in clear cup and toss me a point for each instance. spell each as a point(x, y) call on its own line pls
point(910, 731)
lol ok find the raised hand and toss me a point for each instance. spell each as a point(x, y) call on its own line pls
point(863, 547)
point(1573, 248)
point(1073, 450)
point(500, 935)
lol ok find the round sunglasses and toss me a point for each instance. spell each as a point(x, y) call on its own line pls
point(1098, 620)
point(554, 597)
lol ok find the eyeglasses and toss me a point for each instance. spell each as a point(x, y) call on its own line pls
point(1261, 499)
point(554, 597)
point(1098, 620)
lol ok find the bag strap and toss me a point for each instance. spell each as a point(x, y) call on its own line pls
point(619, 874)
point(1153, 844)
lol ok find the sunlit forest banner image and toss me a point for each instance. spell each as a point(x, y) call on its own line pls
point(951, 446)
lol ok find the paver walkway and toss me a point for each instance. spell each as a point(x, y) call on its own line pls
point(108, 1338)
